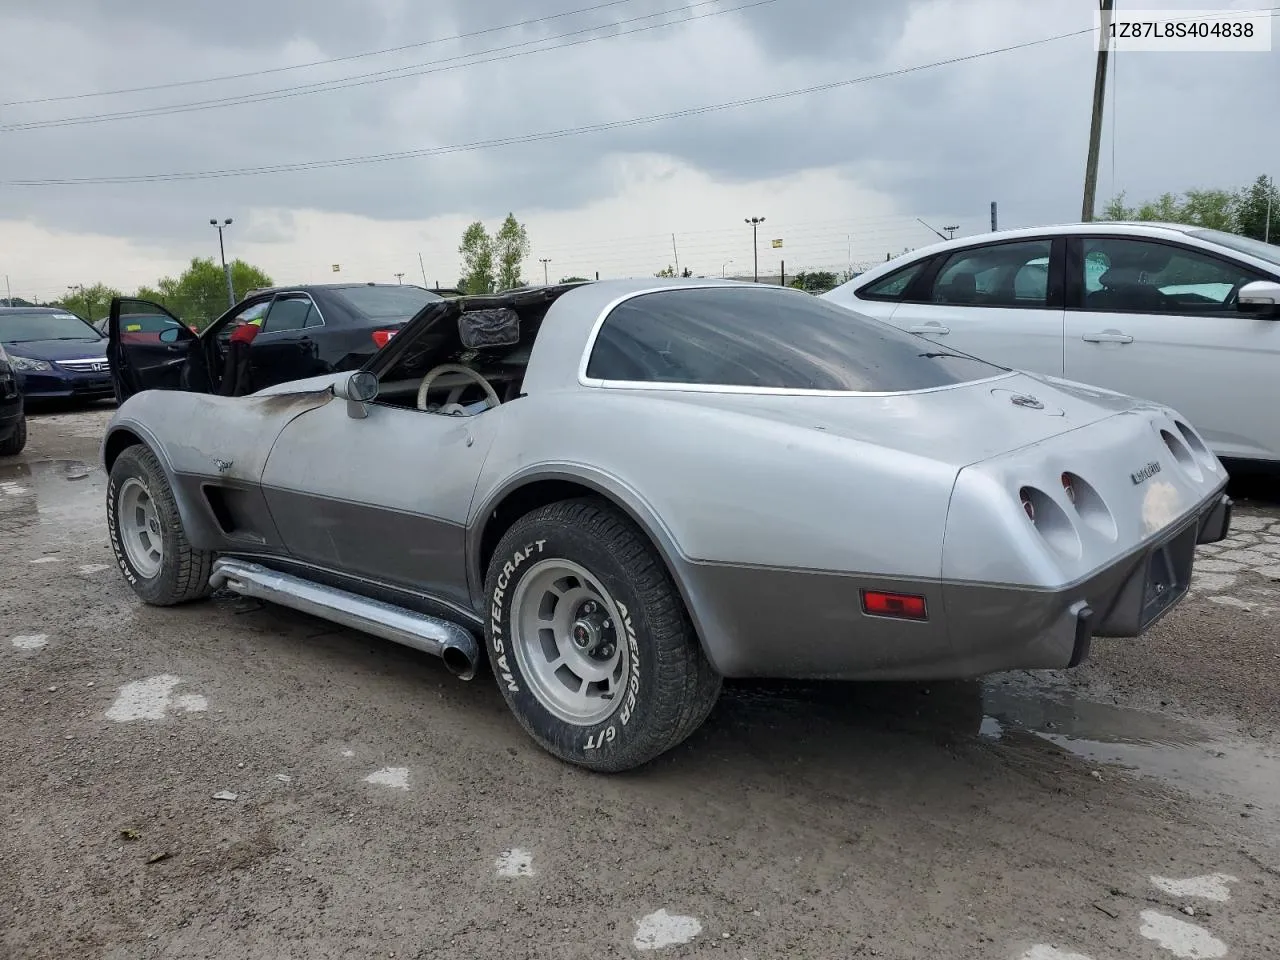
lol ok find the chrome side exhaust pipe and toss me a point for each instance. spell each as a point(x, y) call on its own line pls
point(453, 644)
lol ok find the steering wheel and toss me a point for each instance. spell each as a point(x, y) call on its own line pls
point(491, 395)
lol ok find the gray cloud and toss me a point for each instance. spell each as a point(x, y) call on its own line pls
point(944, 142)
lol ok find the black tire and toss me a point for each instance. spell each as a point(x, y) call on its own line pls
point(184, 571)
point(17, 440)
point(669, 687)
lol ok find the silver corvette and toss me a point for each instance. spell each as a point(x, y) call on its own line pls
point(617, 493)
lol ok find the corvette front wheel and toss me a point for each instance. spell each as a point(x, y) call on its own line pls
point(147, 536)
point(589, 639)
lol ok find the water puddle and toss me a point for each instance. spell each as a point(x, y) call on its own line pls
point(64, 493)
point(1015, 710)
point(1200, 760)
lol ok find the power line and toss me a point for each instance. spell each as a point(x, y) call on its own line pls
point(534, 137)
point(316, 63)
point(395, 73)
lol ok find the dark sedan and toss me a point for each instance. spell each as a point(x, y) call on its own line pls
point(301, 331)
point(13, 422)
point(55, 354)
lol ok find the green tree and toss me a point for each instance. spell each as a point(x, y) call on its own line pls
point(573, 279)
point(511, 248)
point(816, 281)
point(1164, 209)
point(1251, 210)
point(1116, 209)
point(198, 295)
point(476, 251)
point(670, 271)
point(92, 302)
point(1212, 209)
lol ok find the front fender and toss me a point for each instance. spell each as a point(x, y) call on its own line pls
point(124, 432)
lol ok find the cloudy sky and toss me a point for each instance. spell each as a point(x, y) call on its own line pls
point(840, 174)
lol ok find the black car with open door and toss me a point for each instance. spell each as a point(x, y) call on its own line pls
point(285, 333)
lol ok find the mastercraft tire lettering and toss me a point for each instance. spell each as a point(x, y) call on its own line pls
point(146, 533)
point(590, 643)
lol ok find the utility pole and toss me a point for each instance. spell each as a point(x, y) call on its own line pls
point(1266, 226)
point(8, 292)
point(544, 261)
point(424, 271)
point(83, 297)
point(1099, 98)
point(675, 254)
point(222, 250)
point(755, 250)
point(993, 216)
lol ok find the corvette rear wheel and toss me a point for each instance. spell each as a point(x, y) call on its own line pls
point(147, 536)
point(589, 640)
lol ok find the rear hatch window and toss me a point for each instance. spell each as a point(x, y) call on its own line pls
point(768, 339)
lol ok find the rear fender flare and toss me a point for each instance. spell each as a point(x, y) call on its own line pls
point(610, 488)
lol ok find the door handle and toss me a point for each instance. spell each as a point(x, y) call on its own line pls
point(1107, 338)
point(934, 328)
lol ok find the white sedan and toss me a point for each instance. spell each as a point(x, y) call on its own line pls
point(1181, 315)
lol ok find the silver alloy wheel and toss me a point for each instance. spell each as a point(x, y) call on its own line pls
point(138, 524)
point(569, 642)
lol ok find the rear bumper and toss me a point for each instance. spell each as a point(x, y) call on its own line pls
point(1019, 628)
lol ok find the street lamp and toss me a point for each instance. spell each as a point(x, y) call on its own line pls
point(755, 251)
point(84, 298)
point(400, 278)
point(722, 266)
point(951, 232)
point(544, 261)
point(222, 250)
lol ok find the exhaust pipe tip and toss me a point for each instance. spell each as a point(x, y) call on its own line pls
point(459, 662)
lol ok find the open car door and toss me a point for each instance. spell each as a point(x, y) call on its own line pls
point(156, 362)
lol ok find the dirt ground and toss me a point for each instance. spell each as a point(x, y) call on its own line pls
point(378, 807)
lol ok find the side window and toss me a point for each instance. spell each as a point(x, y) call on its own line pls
point(894, 285)
point(227, 325)
point(287, 313)
point(1127, 276)
point(1001, 275)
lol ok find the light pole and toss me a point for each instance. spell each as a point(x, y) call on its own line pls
point(399, 278)
point(755, 250)
point(222, 250)
point(722, 266)
point(951, 231)
point(84, 298)
point(544, 261)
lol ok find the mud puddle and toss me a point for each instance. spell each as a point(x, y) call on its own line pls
point(1198, 759)
point(67, 493)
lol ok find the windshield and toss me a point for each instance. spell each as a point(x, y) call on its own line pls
point(21, 327)
point(1255, 248)
point(387, 303)
point(752, 338)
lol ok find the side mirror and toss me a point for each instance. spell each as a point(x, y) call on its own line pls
point(1261, 298)
point(169, 335)
point(358, 389)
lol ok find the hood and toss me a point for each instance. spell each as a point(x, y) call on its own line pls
point(956, 426)
point(85, 349)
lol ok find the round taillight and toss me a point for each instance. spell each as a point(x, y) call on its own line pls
point(1068, 487)
point(1028, 506)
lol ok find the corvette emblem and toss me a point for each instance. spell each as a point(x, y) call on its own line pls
point(1146, 473)
point(222, 465)
point(1024, 400)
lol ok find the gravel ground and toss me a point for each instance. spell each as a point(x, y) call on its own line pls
point(379, 807)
